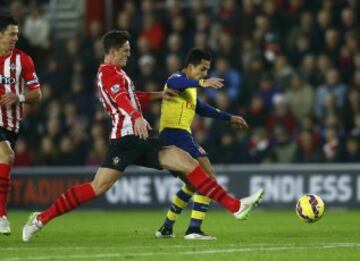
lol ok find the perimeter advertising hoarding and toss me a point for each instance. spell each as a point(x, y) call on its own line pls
point(338, 185)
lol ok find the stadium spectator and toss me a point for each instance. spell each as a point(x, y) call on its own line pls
point(281, 115)
point(352, 152)
point(300, 97)
point(307, 149)
point(332, 91)
point(232, 79)
point(37, 24)
point(282, 148)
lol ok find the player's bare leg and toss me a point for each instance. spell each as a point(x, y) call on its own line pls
point(7, 157)
point(71, 199)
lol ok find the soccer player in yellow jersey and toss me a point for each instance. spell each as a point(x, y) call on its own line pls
point(175, 129)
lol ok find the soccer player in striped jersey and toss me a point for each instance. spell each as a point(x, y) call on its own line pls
point(18, 85)
point(130, 144)
point(175, 129)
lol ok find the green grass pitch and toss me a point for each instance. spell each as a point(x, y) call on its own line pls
point(129, 235)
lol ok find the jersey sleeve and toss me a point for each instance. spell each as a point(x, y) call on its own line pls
point(28, 73)
point(179, 82)
point(114, 86)
point(205, 110)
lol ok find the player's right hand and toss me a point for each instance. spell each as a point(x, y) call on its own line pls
point(213, 82)
point(141, 127)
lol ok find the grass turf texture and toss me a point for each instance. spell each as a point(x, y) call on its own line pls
point(129, 235)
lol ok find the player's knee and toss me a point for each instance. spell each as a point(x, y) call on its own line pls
point(7, 156)
point(211, 173)
point(186, 161)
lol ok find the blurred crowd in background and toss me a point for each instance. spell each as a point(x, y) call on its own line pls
point(291, 69)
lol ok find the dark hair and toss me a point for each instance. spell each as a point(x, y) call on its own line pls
point(5, 21)
point(195, 56)
point(114, 39)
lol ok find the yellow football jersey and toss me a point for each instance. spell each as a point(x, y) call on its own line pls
point(179, 112)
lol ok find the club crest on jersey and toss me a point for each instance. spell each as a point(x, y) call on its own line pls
point(7, 80)
point(115, 88)
point(116, 161)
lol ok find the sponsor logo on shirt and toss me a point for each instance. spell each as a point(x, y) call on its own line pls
point(7, 80)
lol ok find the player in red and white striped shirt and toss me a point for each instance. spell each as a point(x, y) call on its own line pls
point(130, 145)
point(18, 85)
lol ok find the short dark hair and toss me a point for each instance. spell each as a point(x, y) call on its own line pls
point(195, 56)
point(114, 39)
point(5, 21)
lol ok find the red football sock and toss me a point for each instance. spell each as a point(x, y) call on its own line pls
point(69, 200)
point(4, 187)
point(210, 188)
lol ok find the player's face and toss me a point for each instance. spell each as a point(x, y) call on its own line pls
point(200, 71)
point(9, 37)
point(122, 54)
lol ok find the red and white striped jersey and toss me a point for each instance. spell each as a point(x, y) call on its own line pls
point(17, 72)
point(112, 82)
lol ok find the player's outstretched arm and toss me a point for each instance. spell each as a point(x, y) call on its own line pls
point(145, 97)
point(205, 110)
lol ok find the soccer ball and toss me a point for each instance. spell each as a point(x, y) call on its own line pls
point(310, 208)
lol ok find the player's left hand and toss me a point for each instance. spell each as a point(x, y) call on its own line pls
point(239, 122)
point(8, 99)
point(169, 94)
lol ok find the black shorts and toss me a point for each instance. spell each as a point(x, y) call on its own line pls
point(8, 135)
point(131, 150)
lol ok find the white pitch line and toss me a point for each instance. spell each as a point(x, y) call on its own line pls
point(36, 248)
point(204, 252)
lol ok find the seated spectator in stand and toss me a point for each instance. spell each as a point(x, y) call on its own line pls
point(153, 31)
point(256, 114)
point(283, 71)
point(97, 152)
point(258, 146)
point(332, 86)
point(283, 148)
point(267, 90)
point(308, 70)
point(173, 64)
point(307, 149)
point(351, 107)
point(281, 115)
point(148, 71)
point(23, 154)
point(355, 131)
point(232, 79)
point(352, 151)
point(331, 148)
point(48, 154)
point(227, 151)
point(300, 97)
point(175, 45)
point(68, 155)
